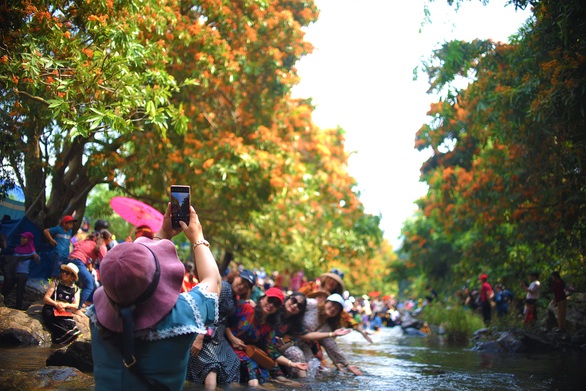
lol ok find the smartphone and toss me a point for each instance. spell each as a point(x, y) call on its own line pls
point(180, 203)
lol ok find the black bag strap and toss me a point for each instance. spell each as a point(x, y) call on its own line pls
point(126, 313)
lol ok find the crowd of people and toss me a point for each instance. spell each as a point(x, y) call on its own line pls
point(486, 299)
point(265, 331)
point(157, 321)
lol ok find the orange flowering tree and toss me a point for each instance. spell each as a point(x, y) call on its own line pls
point(315, 220)
point(96, 86)
point(271, 187)
point(190, 92)
point(238, 58)
point(506, 174)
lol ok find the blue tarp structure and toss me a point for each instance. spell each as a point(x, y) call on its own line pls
point(13, 205)
point(11, 208)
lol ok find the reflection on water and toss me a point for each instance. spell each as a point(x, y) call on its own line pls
point(25, 358)
point(397, 362)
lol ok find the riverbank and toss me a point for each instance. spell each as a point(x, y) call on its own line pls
point(394, 360)
point(509, 333)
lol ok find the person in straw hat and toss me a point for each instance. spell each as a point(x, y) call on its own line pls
point(141, 326)
point(61, 298)
point(328, 284)
point(331, 282)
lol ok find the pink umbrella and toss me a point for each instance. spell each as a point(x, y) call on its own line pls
point(137, 212)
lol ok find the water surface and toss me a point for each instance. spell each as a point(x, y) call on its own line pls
point(398, 362)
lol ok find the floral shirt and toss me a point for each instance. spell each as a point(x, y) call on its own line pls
point(244, 326)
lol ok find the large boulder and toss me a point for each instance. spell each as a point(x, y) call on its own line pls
point(500, 342)
point(512, 342)
point(19, 328)
point(77, 355)
point(27, 328)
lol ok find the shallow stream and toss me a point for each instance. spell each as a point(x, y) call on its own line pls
point(399, 362)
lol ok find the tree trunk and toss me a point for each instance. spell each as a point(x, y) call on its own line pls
point(70, 186)
point(228, 257)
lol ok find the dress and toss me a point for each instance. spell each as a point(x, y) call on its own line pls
point(245, 327)
point(59, 325)
point(216, 354)
point(162, 352)
point(311, 323)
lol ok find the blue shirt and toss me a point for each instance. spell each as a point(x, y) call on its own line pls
point(162, 352)
point(23, 266)
point(63, 239)
point(376, 322)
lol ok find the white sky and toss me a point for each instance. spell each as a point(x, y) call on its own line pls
point(360, 77)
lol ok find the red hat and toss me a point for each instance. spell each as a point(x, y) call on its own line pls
point(275, 292)
point(67, 219)
point(483, 277)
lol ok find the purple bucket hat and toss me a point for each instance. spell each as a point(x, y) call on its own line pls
point(127, 271)
point(28, 235)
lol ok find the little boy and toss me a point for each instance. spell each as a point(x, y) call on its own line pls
point(59, 237)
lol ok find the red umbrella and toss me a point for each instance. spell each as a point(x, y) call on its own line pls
point(386, 297)
point(137, 212)
point(374, 294)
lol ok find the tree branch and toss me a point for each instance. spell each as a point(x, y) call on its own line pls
point(32, 97)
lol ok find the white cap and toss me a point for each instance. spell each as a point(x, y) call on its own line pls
point(336, 298)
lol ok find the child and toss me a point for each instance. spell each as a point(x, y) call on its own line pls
point(59, 237)
point(18, 275)
point(61, 298)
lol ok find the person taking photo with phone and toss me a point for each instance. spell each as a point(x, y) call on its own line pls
point(142, 327)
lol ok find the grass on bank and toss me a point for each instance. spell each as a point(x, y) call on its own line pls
point(460, 323)
point(457, 322)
